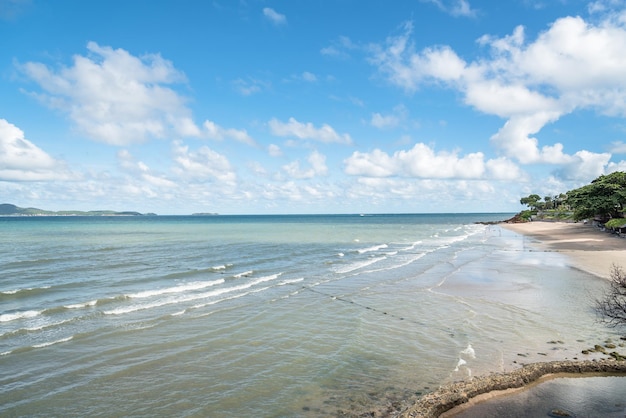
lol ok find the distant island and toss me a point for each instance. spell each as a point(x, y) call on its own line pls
point(7, 209)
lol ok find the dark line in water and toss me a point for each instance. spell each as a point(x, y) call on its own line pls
point(401, 318)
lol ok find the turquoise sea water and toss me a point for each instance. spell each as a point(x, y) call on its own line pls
point(272, 316)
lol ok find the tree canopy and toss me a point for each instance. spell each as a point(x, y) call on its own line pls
point(605, 197)
point(530, 201)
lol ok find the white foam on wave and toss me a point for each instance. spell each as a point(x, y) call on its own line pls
point(359, 265)
point(214, 302)
point(459, 364)
point(412, 246)
point(371, 249)
point(191, 297)
point(19, 315)
point(402, 262)
point(44, 326)
point(221, 267)
point(175, 289)
point(244, 274)
point(47, 344)
point(445, 242)
point(291, 281)
point(27, 289)
point(469, 351)
point(82, 305)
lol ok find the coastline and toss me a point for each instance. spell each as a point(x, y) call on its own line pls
point(587, 248)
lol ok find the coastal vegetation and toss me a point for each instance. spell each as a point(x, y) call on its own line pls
point(604, 199)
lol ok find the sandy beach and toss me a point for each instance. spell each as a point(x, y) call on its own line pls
point(587, 247)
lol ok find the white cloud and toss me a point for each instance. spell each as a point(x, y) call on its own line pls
point(257, 169)
point(339, 48)
point(381, 121)
point(202, 164)
point(387, 121)
point(307, 131)
point(613, 8)
point(584, 165)
point(21, 160)
point(504, 169)
point(305, 76)
point(274, 150)
point(214, 131)
point(140, 170)
point(618, 147)
point(250, 86)
point(318, 167)
point(435, 195)
point(462, 8)
point(529, 83)
point(374, 164)
point(619, 166)
point(456, 8)
point(422, 161)
point(507, 100)
point(310, 77)
point(515, 140)
point(404, 67)
point(115, 97)
point(274, 17)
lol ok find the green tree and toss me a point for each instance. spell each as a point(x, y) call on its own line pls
point(605, 197)
point(559, 200)
point(549, 203)
point(530, 201)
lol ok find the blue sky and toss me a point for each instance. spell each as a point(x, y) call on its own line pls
point(294, 106)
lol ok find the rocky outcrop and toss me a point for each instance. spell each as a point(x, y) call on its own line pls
point(455, 394)
point(516, 219)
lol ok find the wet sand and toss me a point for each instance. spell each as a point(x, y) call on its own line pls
point(587, 247)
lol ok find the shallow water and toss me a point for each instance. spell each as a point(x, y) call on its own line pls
point(580, 397)
point(272, 316)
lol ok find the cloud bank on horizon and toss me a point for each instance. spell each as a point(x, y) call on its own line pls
point(273, 107)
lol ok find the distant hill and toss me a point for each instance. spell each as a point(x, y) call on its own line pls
point(7, 209)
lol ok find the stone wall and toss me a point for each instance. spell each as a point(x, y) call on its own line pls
point(455, 394)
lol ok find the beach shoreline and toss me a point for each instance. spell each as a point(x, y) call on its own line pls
point(586, 247)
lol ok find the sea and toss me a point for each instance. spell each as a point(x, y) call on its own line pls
point(274, 316)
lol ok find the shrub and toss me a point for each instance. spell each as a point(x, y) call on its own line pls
point(612, 306)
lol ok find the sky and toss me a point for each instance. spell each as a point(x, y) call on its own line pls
point(303, 106)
